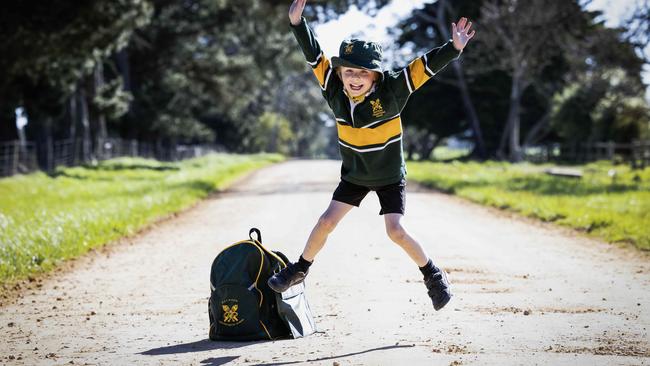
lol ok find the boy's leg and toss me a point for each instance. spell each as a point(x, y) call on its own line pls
point(392, 198)
point(294, 273)
point(346, 196)
point(393, 202)
point(435, 279)
point(401, 237)
point(325, 225)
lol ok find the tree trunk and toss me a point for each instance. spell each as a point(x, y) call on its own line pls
point(122, 62)
point(410, 151)
point(72, 106)
point(8, 129)
point(429, 147)
point(49, 143)
point(510, 135)
point(539, 129)
point(41, 128)
point(470, 111)
point(100, 120)
point(514, 119)
point(501, 150)
point(474, 121)
point(85, 125)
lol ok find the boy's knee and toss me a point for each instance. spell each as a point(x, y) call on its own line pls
point(326, 223)
point(396, 232)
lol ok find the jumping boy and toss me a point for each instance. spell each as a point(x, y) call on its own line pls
point(367, 103)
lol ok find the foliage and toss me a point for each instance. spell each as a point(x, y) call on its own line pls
point(112, 100)
point(273, 133)
point(600, 107)
point(417, 34)
point(559, 46)
point(224, 65)
point(613, 206)
point(208, 70)
point(197, 70)
point(639, 31)
point(298, 98)
point(45, 219)
point(55, 46)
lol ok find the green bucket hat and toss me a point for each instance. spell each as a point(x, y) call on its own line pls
point(360, 55)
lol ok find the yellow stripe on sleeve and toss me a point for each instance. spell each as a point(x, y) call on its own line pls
point(418, 74)
point(321, 70)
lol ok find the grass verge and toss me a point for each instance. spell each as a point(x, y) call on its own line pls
point(612, 206)
point(45, 219)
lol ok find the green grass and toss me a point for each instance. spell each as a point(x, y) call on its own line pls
point(615, 209)
point(46, 219)
point(445, 153)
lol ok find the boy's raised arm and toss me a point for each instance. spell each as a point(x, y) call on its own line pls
point(425, 67)
point(438, 58)
point(295, 11)
point(309, 45)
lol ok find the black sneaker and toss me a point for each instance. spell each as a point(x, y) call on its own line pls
point(287, 277)
point(438, 286)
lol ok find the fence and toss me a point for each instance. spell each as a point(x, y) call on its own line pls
point(17, 158)
point(636, 153)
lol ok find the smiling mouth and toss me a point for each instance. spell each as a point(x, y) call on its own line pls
point(356, 87)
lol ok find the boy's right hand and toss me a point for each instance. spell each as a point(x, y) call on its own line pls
point(295, 11)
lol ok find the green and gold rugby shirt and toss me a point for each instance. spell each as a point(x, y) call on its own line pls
point(370, 130)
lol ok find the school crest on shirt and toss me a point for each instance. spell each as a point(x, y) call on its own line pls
point(348, 48)
point(377, 108)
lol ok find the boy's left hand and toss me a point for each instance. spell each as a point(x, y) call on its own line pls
point(460, 35)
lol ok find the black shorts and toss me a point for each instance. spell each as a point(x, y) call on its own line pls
point(392, 197)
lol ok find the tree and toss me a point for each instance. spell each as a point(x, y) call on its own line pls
point(525, 56)
point(426, 28)
point(158, 70)
point(604, 106)
point(639, 31)
point(220, 65)
point(440, 17)
point(522, 38)
point(52, 50)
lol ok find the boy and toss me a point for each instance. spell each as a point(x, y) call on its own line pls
point(367, 102)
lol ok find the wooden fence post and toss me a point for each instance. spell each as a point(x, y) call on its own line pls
point(16, 157)
point(611, 146)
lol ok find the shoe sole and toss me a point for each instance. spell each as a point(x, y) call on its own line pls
point(276, 289)
point(281, 289)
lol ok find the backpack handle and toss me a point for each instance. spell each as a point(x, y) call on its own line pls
point(256, 231)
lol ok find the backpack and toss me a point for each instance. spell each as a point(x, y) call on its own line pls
point(242, 307)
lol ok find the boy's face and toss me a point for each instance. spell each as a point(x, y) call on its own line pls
point(357, 81)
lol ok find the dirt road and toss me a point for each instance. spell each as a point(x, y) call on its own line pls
point(525, 293)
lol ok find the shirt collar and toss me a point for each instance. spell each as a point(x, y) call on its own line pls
point(360, 98)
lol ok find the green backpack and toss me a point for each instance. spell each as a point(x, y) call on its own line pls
point(242, 307)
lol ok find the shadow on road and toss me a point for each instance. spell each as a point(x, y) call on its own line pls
point(218, 361)
point(198, 346)
point(338, 356)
